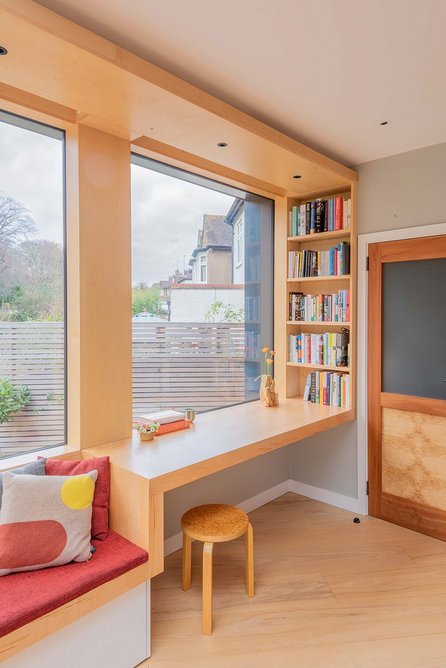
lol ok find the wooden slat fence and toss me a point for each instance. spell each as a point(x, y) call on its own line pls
point(174, 365)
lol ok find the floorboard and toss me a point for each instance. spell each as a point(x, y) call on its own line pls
point(329, 594)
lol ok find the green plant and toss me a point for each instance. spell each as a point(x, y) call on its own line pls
point(12, 399)
point(220, 312)
point(146, 428)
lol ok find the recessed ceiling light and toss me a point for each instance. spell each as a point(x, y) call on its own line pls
point(384, 123)
point(297, 176)
point(3, 51)
point(222, 144)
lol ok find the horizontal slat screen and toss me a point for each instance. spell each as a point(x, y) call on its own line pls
point(174, 365)
point(32, 354)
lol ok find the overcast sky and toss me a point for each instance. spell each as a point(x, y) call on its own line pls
point(31, 173)
point(166, 212)
point(166, 216)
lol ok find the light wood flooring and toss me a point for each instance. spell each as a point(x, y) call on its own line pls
point(329, 594)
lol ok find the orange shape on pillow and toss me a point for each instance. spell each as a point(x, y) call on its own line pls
point(29, 543)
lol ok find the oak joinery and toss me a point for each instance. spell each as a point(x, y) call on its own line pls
point(297, 372)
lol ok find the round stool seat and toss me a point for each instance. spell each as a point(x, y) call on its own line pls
point(214, 523)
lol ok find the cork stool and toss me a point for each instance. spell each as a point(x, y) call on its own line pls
point(214, 523)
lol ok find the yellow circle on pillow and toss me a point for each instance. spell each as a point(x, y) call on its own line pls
point(77, 492)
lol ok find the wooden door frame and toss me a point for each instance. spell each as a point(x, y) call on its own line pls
point(362, 323)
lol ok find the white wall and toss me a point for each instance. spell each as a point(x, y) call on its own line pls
point(191, 305)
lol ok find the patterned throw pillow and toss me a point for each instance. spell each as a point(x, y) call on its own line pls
point(34, 468)
point(99, 518)
point(45, 521)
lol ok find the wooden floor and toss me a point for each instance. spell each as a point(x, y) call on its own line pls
point(329, 594)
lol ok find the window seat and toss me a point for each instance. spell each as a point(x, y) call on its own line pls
point(27, 596)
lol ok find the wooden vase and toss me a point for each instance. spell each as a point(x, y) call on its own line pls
point(146, 435)
point(268, 392)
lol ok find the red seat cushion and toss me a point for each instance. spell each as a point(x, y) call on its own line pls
point(32, 594)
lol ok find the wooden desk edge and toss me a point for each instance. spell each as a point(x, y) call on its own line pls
point(182, 476)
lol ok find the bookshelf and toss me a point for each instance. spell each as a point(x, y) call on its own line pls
point(304, 322)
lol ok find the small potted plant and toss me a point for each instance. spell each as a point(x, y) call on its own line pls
point(146, 431)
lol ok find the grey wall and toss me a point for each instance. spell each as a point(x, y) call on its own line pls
point(404, 190)
point(233, 485)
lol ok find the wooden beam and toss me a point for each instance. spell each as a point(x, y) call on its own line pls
point(38, 103)
point(209, 166)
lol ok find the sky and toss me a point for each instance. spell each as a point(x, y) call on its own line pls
point(31, 172)
point(166, 212)
point(166, 216)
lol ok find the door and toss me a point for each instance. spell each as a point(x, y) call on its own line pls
point(407, 383)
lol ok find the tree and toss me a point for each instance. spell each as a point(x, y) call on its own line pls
point(146, 299)
point(16, 225)
point(220, 312)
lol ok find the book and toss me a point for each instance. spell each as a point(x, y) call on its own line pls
point(320, 215)
point(162, 417)
point(327, 349)
point(328, 389)
point(334, 261)
point(170, 427)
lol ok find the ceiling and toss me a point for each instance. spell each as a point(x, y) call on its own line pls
point(326, 72)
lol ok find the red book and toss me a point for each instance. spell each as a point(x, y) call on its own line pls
point(173, 426)
point(338, 213)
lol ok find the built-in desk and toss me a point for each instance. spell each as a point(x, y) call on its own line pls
point(215, 441)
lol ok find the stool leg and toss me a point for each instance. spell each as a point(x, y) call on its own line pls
point(207, 588)
point(187, 562)
point(249, 552)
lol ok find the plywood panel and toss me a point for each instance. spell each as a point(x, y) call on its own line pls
point(414, 456)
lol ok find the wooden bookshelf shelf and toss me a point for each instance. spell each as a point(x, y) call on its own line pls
point(312, 279)
point(297, 374)
point(320, 367)
point(335, 234)
point(315, 323)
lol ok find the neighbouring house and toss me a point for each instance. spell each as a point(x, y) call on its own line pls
point(211, 260)
point(236, 219)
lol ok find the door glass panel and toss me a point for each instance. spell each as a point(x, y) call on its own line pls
point(414, 328)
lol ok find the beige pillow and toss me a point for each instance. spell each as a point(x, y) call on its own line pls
point(45, 520)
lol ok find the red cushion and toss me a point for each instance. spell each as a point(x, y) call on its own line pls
point(99, 518)
point(32, 594)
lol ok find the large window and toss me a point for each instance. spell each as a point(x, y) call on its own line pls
point(32, 286)
point(202, 289)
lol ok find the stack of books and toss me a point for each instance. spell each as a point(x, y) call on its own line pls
point(320, 215)
point(168, 420)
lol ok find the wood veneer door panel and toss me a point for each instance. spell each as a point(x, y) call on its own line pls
point(406, 433)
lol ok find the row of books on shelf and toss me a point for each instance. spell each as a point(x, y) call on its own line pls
point(328, 388)
point(320, 215)
point(330, 348)
point(252, 308)
point(320, 308)
point(310, 263)
point(253, 268)
point(252, 345)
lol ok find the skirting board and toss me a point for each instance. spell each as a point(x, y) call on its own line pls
point(324, 495)
point(175, 542)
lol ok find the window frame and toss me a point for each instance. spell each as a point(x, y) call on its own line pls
point(186, 173)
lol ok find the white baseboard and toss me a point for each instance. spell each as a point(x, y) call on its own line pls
point(175, 542)
point(324, 495)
